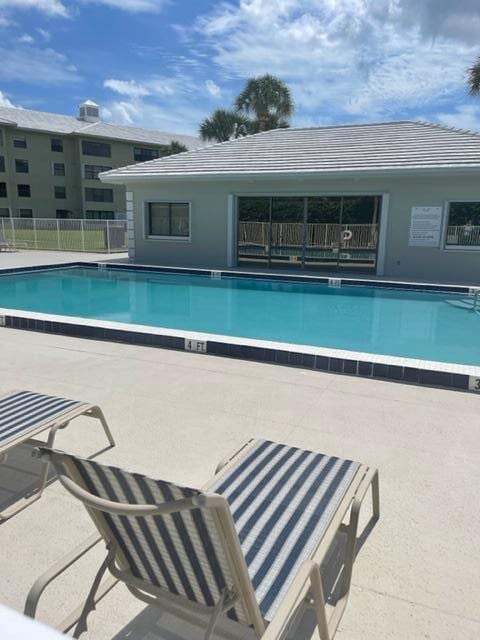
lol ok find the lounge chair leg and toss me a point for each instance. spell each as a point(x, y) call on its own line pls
point(96, 412)
point(43, 477)
point(319, 602)
point(214, 617)
point(62, 565)
point(370, 481)
point(89, 605)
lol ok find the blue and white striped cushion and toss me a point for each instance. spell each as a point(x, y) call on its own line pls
point(282, 500)
point(181, 552)
point(25, 411)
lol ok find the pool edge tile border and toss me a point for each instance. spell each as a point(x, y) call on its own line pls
point(365, 365)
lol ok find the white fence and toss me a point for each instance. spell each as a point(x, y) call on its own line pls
point(105, 236)
point(463, 235)
point(317, 235)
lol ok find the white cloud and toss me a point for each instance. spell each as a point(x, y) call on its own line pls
point(132, 6)
point(213, 89)
point(5, 102)
point(465, 116)
point(44, 33)
point(50, 7)
point(365, 59)
point(128, 88)
point(4, 21)
point(26, 38)
point(32, 65)
point(169, 103)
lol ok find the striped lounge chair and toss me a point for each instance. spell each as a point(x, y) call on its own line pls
point(25, 414)
point(249, 545)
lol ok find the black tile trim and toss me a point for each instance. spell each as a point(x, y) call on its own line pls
point(299, 278)
point(344, 366)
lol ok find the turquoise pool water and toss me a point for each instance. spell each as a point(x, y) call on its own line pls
point(415, 324)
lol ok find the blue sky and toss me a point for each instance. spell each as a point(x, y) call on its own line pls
point(166, 64)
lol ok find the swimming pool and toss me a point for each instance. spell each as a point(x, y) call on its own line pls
point(436, 326)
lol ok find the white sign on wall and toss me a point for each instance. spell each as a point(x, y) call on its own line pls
point(425, 227)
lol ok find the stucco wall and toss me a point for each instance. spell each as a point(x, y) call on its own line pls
point(210, 229)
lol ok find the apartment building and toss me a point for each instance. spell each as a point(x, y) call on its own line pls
point(49, 163)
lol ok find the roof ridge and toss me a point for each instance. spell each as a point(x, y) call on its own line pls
point(76, 123)
point(445, 127)
point(343, 125)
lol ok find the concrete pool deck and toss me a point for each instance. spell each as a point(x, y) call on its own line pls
point(27, 258)
point(175, 414)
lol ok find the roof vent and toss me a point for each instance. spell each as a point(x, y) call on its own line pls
point(89, 111)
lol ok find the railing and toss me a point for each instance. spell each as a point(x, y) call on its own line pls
point(105, 236)
point(463, 236)
point(317, 235)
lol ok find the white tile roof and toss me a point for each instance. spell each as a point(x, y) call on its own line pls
point(57, 123)
point(390, 146)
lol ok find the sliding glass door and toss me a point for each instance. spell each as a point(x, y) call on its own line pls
point(286, 246)
point(322, 238)
point(332, 233)
point(254, 230)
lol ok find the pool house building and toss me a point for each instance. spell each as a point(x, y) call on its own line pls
point(398, 199)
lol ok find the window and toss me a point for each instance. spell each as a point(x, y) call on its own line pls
point(3, 189)
point(142, 154)
point(168, 219)
point(56, 144)
point(2, 164)
point(23, 190)
point(4, 212)
point(90, 148)
point(98, 195)
point(63, 214)
point(91, 171)
point(20, 142)
point(60, 192)
point(463, 225)
point(99, 215)
point(25, 213)
point(1, 138)
point(21, 166)
point(58, 169)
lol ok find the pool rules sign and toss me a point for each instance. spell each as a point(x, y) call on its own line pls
point(425, 227)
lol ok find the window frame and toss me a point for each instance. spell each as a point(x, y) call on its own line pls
point(29, 190)
point(150, 149)
point(97, 166)
point(26, 165)
point(59, 175)
point(26, 209)
point(446, 216)
point(4, 183)
point(103, 189)
point(19, 138)
point(146, 223)
point(52, 140)
point(59, 186)
point(110, 214)
point(98, 144)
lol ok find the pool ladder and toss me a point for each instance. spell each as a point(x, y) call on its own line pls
point(476, 301)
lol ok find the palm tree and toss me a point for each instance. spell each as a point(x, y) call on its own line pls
point(174, 147)
point(474, 79)
point(268, 99)
point(223, 125)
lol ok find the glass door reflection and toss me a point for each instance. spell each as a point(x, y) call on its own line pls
point(322, 238)
point(254, 230)
point(359, 233)
point(287, 236)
